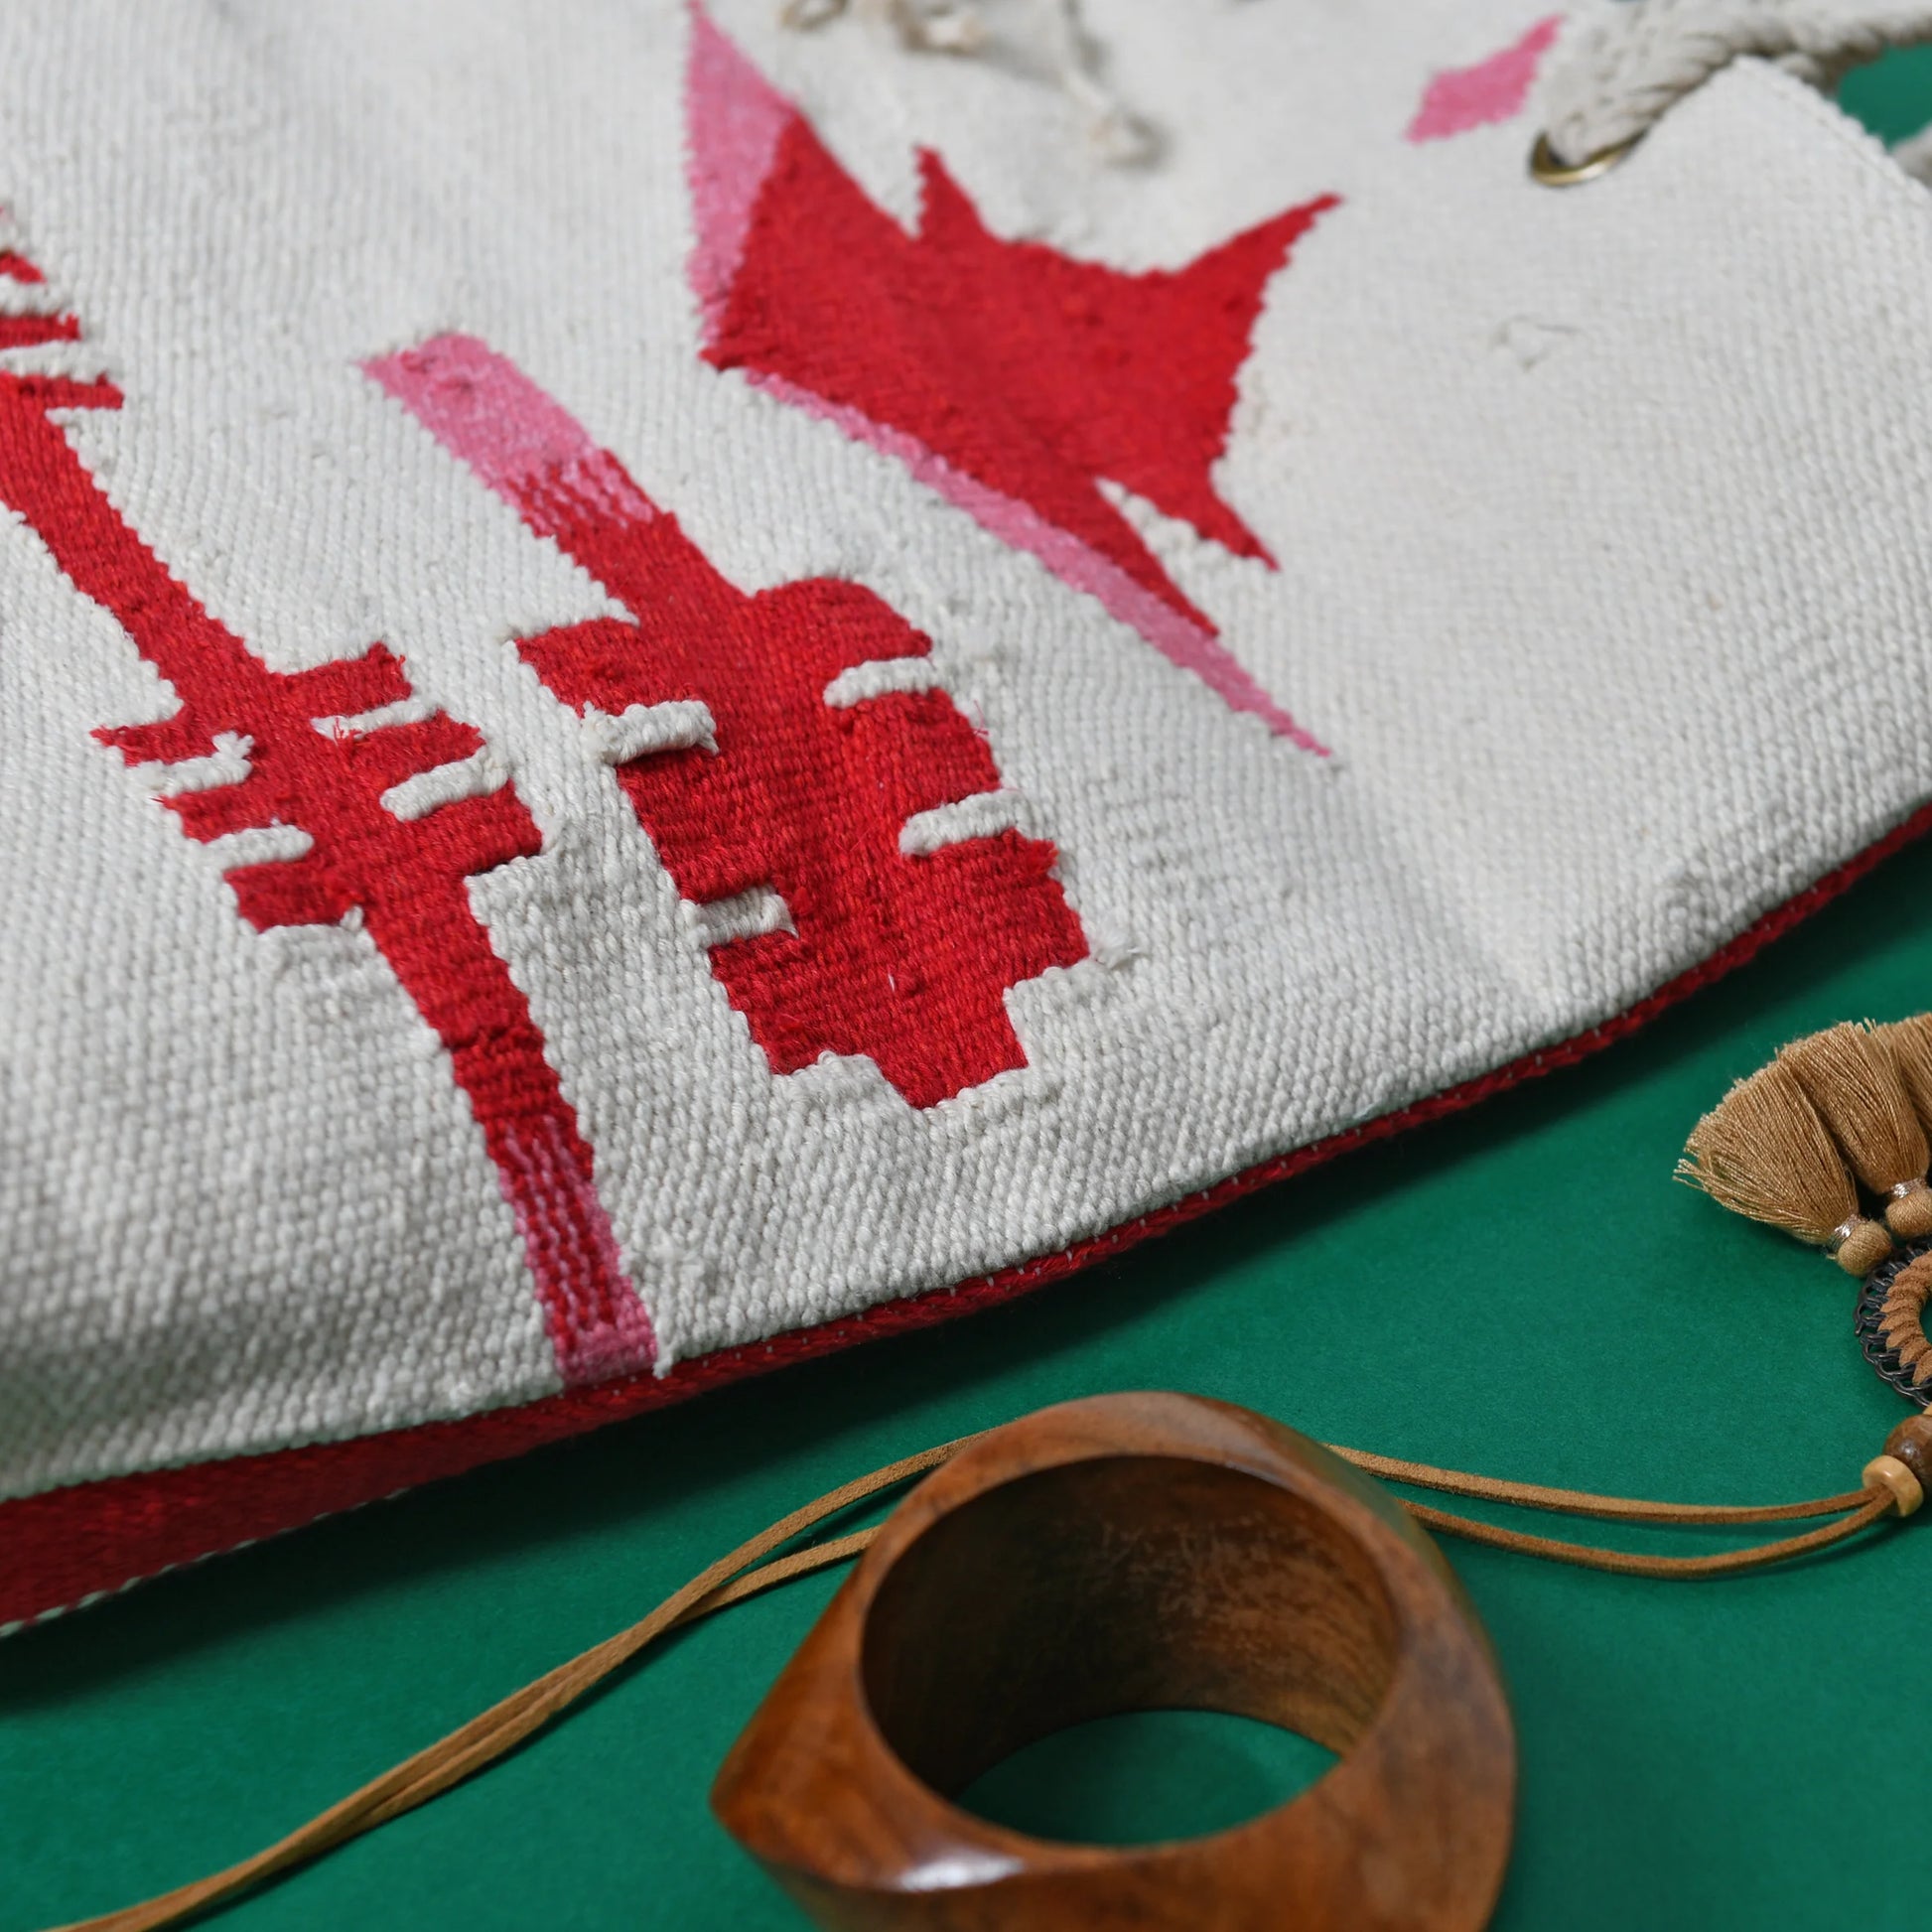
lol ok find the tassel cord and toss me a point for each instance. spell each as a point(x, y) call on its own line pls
point(507, 1724)
point(1580, 1502)
point(746, 1572)
point(1627, 1562)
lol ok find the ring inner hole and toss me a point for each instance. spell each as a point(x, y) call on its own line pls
point(1122, 1584)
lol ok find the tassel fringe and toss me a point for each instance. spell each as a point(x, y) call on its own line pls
point(1763, 1152)
point(1908, 1046)
point(1837, 1112)
point(1851, 1080)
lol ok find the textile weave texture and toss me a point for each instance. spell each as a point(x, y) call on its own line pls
point(672, 691)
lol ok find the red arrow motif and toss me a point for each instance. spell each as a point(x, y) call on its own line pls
point(775, 747)
point(317, 756)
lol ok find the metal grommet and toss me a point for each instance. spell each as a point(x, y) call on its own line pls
point(1552, 172)
point(1132, 1552)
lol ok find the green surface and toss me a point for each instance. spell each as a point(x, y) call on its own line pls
point(1520, 1291)
point(1147, 1776)
point(1893, 96)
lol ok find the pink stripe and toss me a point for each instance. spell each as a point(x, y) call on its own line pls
point(574, 1254)
point(1493, 90)
point(1074, 563)
point(734, 122)
point(527, 448)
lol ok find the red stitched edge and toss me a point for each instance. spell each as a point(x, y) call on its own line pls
point(66, 1546)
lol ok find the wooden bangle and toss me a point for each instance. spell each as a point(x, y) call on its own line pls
point(1124, 1553)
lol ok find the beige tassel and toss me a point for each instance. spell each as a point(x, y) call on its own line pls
point(1908, 1043)
point(1763, 1152)
point(1855, 1084)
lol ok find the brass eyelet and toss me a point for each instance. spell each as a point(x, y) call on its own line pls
point(1552, 173)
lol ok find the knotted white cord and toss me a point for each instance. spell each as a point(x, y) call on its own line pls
point(1621, 67)
point(924, 26)
point(956, 27)
point(1625, 65)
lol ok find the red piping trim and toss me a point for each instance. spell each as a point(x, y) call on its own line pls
point(65, 1547)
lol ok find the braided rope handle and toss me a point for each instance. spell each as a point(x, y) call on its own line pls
point(1622, 66)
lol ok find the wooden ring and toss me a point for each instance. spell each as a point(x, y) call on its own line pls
point(1124, 1553)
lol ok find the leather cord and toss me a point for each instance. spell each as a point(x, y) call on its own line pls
point(746, 1571)
point(1580, 1502)
point(1627, 1562)
point(506, 1725)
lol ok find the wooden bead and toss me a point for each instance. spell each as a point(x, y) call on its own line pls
point(1135, 1552)
point(1909, 1214)
point(1888, 1472)
point(1865, 1246)
point(1911, 1443)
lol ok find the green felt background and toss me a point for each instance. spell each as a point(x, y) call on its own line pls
point(1521, 1291)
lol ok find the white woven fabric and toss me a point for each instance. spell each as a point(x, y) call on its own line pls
point(1600, 522)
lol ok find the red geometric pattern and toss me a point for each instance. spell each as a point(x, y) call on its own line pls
point(1009, 377)
point(407, 877)
point(901, 957)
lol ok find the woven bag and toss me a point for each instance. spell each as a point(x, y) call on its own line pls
point(674, 691)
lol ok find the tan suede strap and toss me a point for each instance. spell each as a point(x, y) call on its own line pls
point(744, 1573)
